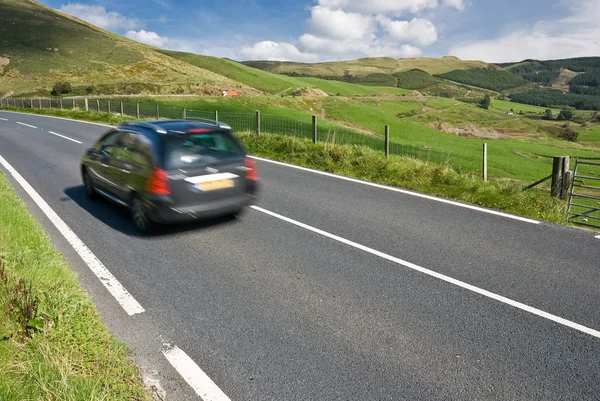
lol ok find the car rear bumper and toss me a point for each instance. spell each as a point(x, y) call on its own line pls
point(163, 212)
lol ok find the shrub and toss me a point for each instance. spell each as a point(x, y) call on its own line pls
point(61, 88)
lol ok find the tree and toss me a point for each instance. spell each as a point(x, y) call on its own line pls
point(565, 114)
point(547, 114)
point(486, 102)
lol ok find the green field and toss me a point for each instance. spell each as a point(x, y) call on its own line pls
point(332, 87)
point(518, 148)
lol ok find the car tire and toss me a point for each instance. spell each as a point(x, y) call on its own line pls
point(139, 216)
point(88, 186)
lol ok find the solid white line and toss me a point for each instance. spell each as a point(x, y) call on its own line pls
point(122, 296)
point(598, 236)
point(402, 191)
point(193, 375)
point(439, 276)
point(66, 137)
point(27, 125)
point(3, 119)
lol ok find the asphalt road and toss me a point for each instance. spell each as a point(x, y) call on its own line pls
point(398, 297)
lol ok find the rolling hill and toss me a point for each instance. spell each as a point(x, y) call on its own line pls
point(40, 46)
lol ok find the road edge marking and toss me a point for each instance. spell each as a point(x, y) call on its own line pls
point(193, 375)
point(65, 137)
point(402, 191)
point(123, 297)
point(431, 273)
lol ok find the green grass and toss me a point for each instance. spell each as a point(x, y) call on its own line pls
point(67, 353)
point(363, 162)
point(332, 87)
point(261, 80)
point(523, 151)
point(366, 66)
point(432, 178)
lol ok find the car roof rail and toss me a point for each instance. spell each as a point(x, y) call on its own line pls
point(209, 121)
point(154, 127)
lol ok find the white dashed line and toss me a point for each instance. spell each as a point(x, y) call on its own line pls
point(27, 125)
point(3, 119)
point(122, 296)
point(65, 137)
point(402, 191)
point(199, 381)
point(439, 276)
point(598, 236)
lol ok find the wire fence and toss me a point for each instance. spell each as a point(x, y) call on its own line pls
point(464, 155)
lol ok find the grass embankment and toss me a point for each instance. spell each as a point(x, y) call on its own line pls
point(367, 164)
point(53, 345)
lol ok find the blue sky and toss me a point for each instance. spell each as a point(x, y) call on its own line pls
point(324, 30)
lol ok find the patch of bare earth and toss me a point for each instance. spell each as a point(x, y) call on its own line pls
point(473, 131)
point(4, 61)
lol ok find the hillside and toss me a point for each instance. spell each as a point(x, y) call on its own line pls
point(40, 46)
point(366, 66)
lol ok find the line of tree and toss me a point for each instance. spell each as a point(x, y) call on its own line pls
point(556, 99)
point(415, 79)
point(590, 78)
point(488, 78)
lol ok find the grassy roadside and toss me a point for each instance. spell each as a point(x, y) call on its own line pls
point(53, 345)
point(364, 163)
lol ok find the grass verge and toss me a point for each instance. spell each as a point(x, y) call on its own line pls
point(53, 344)
point(364, 163)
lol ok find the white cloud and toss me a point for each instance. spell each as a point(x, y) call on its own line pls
point(389, 7)
point(338, 24)
point(268, 50)
point(97, 15)
point(576, 35)
point(419, 31)
point(149, 38)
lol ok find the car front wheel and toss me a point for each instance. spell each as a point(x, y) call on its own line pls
point(88, 186)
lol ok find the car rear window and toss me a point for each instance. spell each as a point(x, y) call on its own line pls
point(191, 150)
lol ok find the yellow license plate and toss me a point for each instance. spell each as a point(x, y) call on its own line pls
point(214, 185)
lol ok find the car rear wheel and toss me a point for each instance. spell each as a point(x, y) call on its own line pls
point(139, 216)
point(88, 186)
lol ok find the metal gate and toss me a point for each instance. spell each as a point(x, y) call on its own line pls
point(584, 201)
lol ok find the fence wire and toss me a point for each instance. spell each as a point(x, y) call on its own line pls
point(502, 163)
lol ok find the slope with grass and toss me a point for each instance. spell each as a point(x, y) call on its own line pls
point(41, 46)
point(366, 66)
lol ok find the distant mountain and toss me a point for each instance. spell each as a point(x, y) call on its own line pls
point(366, 66)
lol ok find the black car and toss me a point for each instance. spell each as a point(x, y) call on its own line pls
point(171, 171)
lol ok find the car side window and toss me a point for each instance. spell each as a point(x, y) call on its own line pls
point(109, 143)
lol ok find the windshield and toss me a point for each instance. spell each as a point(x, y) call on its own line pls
point(191, 150)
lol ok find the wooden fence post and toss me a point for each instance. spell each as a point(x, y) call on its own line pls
point(557, 176)
point(157, 112)
point(216, 115)
point(108, 106)
point(485, 163)
point(257, 122)
point(121, 109)
point(137, 111)
point(386, 141)
point(73, 104)
point(87, 106)
point(184, 113)
point(314, 129)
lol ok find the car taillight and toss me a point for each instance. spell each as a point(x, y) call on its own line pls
point(251, 170)
point(158, 183)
